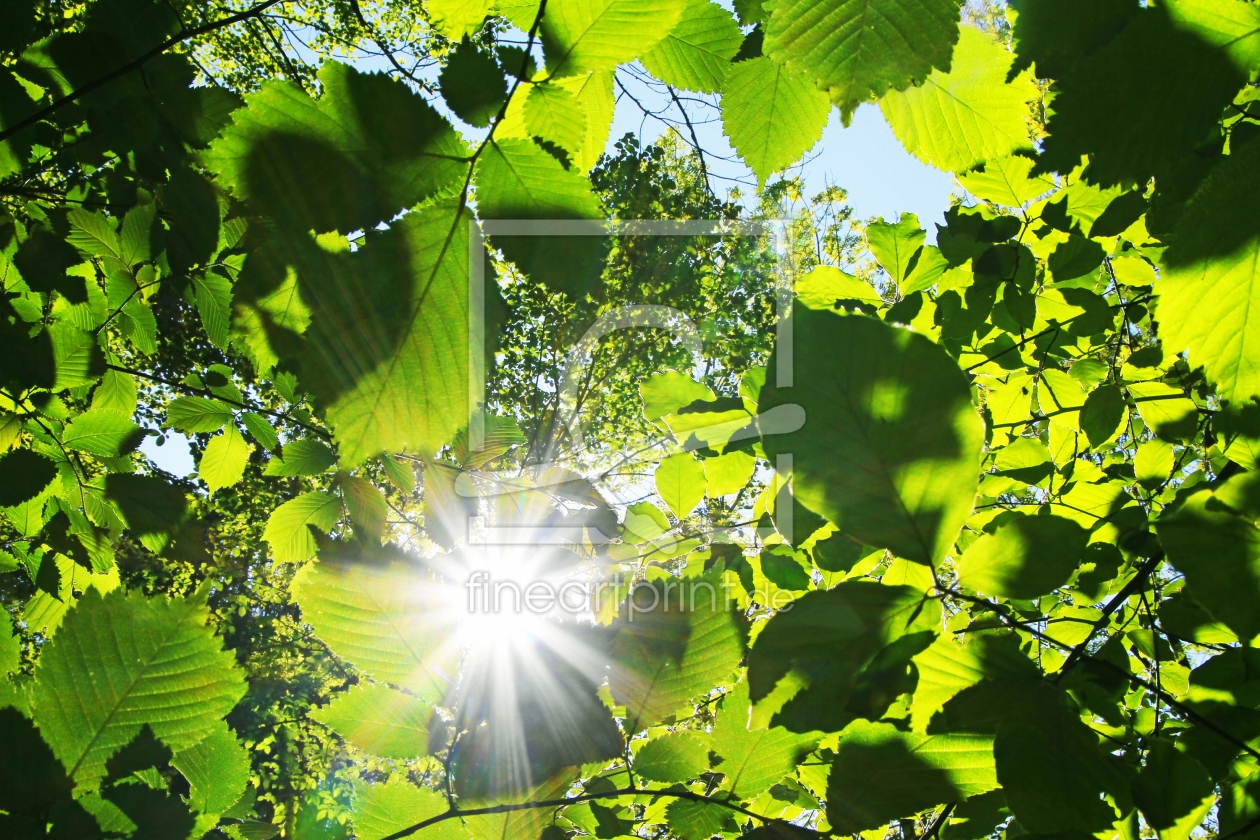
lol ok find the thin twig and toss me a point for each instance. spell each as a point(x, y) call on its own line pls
point(557, 803)
point(206, 392)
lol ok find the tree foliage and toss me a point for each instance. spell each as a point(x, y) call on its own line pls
point(872, 532)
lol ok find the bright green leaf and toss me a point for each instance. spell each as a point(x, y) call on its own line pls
point(675, 757)
point(287, 529)
point(197, 414)
point(697, 52)
point(1027, 557)
point(384, 809)
point(772, 114)
point(583, 35)
point(864, 459)
point(896, 245)
point(858, 50)
point(681, 484)
point(958, 119)
point(388, 620)
point(217, 770)
point(881, 772)
point(380, 721)
point(121, 661)
point(305, 456)
point(223, 462)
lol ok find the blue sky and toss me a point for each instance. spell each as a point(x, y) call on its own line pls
point(880, 176)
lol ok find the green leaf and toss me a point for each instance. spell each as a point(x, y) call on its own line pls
point(473, 85)
point(1077, 257)
point(122, 661)
point(1052, 768)
point(378, 147)
point(772, 114)
point(1057, 34)
point(116, 392)
point(386, 352)
point(1230, 25)
point(1026, 557)
point(380, 721)
point(806, 662)
point(150, 508)
point(1061, 398)
point(728, 473)
point(1153, 463)
point(1007, 180)
point(880, 773)
point(825, 285)
point(26, 475)
point(388, 620)
point(1159, 88)
point(76, 355)
point(754, 759)
point(864, 459)
point(1210, 286)
point(93, 234)
point(1172, 785)
point(698, 820)
point(681, 484)
point(217, 769)
point(667, 392)
point(287, 529)
point(197, 414)
point(664, 657)
point(860, 49)
point(675, 757)
point(213, 294)
point(381, 810)
point(594, 92)
point(555, 113)
point(401, 473)
point(947, 667)
point(517, 179)
point(697, 52)
point(1166, 410)
point(1102, 414)
point(306, 456)
point(583, 35)
point(1213, 540)
point(10, 651)
point(958, 119)
point(527, 823)
point(223, 462)
point(458, 18)
point(896, 246)
point(262, 430)
point(785, 568)
point(365, 504)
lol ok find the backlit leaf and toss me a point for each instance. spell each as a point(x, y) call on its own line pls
point(380, 721)
point(697, 52)
point(968, 115)
point(858, 50)
point(772, 114)
point(863, 459)
point(122, 661)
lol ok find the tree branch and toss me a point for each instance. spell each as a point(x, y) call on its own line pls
point(556, 803)
point(205, 392)
point(1114, 604)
